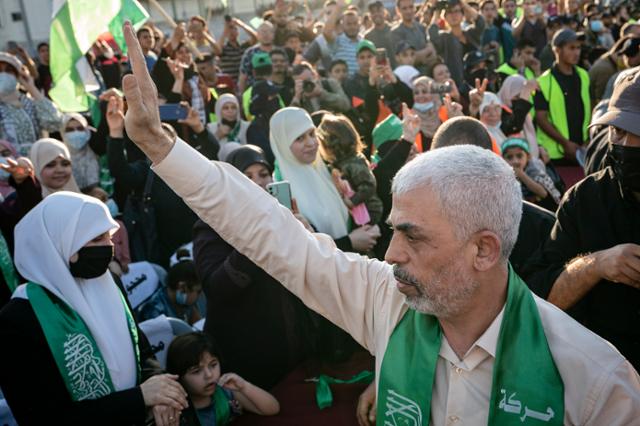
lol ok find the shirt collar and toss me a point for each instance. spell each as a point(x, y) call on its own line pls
point(482, 348)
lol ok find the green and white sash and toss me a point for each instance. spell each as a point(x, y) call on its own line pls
point(527, 388)
point(74, 349)
point(6, 265)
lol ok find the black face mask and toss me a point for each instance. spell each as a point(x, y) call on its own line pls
point(92, 262)
point(480, 74)
point(625, 161)
point(231, 124)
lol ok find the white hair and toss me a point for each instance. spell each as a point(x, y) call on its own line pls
point(476, 188)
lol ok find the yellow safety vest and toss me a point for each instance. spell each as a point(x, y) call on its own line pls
point(246, 103)
point(212, 115)
point(507, 69)
point(557, 114)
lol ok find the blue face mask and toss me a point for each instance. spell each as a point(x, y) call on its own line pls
point(423, 106)
point(596, 26)
point(4, 175)
point(77, 139)
point(181, 298)
point(113, 207)
point(8, 83)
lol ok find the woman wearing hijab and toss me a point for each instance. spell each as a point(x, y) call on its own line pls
point(248, 312)
point(294, 145)
point(74, 353)
point(52, 164)
point(229, 127)
point(502, 120)
point(23, 117)
point(76, 134)
point(428, 107)
point(515, 91)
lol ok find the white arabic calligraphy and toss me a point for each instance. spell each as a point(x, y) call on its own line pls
point(513, 406)
point(401, 410)
point(86, 370)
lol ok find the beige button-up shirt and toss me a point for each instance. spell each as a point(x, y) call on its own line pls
point(360, 295)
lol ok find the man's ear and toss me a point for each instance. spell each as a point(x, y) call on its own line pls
point(488, 247)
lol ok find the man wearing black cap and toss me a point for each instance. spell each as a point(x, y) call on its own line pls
point(600, 216)
point(624, 54)
point(563, 102)
point(380, 33)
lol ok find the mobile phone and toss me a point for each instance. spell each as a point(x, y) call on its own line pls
point(282, 192)
point(172, 112)
point(381, 56)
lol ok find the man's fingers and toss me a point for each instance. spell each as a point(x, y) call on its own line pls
point(132, 92)
point(136, 57)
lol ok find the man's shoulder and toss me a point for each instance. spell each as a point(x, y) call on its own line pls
point(593, 186)
point(583, 358)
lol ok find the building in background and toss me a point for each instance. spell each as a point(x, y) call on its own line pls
point(27, 22)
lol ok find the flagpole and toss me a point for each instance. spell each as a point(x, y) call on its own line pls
point(173, 25)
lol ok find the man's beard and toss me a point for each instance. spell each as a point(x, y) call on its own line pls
point(445, 295)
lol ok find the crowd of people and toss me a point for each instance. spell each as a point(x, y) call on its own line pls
point(352, 115)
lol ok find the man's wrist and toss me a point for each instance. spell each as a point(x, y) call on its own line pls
point(116, 134)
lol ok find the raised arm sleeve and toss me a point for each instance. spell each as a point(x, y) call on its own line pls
point(348, 289)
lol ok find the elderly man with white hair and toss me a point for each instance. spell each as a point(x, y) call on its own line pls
point(457, 335)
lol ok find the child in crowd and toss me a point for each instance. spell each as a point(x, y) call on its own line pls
point(339, 71)
point(342, 148)
point(215, 399)
point(537, 186)
point(179, 298)
point(405, 54)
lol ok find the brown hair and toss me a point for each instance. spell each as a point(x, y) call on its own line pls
point(338, 138)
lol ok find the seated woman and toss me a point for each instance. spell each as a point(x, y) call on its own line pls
point(76, 133)
point(295, 147)
point(23, 117)
point(70, 329)
point(248, 312)
point(230, 127)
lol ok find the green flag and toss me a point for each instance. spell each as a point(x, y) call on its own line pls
point(75, 26)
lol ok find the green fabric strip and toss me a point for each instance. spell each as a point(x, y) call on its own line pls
point(324, 397)
point(77, 356)
point(74, 349)
point(527, 388)
point(6, 265)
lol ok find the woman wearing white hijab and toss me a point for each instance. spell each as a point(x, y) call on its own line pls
point(230, 127)
point(52, 165)
point(294, 145)
point(76, 134)
point(69, 328)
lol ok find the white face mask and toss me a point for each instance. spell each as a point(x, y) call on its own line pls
point(423, 106)
point(8, 83)
point(4, 175)
point(77, 139)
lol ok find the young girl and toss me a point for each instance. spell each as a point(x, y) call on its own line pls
point(342, 148)
point(215, 399)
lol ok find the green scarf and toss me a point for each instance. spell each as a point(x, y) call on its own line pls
point(527, 388)
point(74, 349)
point(220, 406)
point(6, 265)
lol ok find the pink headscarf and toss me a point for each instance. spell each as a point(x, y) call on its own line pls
point(511, 89)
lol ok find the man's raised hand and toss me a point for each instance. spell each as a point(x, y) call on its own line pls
point(142, 120)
